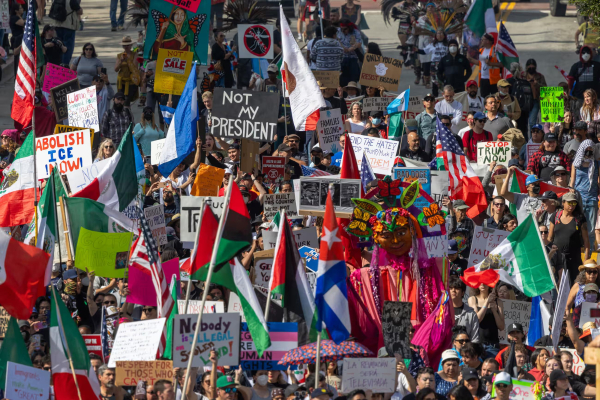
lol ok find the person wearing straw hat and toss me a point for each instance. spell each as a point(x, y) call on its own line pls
point(588, 274)
point(128, 72)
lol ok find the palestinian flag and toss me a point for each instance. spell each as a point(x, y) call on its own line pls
point(62, 327)
point(288, 278)
point(207, 234)
point(517, 185)
point(115, 184)
point(17, 187)
point(168, 353)
point(13, 349)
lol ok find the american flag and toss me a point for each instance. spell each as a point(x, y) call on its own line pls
point(104, 336)
point(312, 172)
point(144, 256)
point(22, 107)
point(366, 172)
point(505, 44)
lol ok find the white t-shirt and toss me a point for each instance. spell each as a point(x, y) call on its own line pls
point(485, 69)
point(476, 104)
point(525, 205)
point(462, 132)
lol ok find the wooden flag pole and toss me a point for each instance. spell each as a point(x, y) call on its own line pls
point(66, 227)
point(281, 220)
point(54, 199)
point(189, 286)
point(318, 361)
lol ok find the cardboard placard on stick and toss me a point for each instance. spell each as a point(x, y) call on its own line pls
point(375, 374)
point(56, 75)
point(313, 195)
point(395, 322)
point(330, 127)
point(250, 157)
point(59, 98)
point(208, 180)
point(129, 372)
point(381, 71)
point(172, 71)
point(328, 79)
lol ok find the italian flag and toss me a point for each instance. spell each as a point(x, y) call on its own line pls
point(481, 18)
point(115, 186)
point(62, 327)
point(519, 260)
point(17, 187)
point(517, 185)
point(168, 353)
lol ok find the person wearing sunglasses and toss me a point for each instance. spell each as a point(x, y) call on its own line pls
point(227, 388)
point(151, 393)
point(543, 162)
point(497, 123)
point(475, 135)
point(547, 212)
point(588, 273)
point(503, 384)
point(87, 65)
point(106, 150)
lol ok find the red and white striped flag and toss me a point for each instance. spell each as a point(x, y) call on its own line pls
point(22, 107)
point(144, 256)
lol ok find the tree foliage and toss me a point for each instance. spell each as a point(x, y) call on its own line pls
point(590, 9)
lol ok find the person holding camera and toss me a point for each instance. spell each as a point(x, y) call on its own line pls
point(53, 47)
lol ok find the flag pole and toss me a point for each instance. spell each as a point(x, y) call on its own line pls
point(213, 260)
point(65, 342)
point(318, 360)
point(537, 232)
point(193, 257)
point(66, 232)
point(281, 221)
point(54, 199)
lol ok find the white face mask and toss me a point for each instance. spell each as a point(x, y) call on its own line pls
point(262, 380)
point(453, 49)
point(502, 92)
point(586, 57)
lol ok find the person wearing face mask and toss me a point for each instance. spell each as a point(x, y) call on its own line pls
point(316, 156)
point(584, 179)
point(583, 75)
point(454, 69)
point(377, 122)
point(146, 131)
point(510, 105)
point(527, 203)
point(116, 121)
point(260, 390)
point(543, 162)
point(536, 80)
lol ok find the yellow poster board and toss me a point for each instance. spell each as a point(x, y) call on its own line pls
point(66, 128)
point(172, 70)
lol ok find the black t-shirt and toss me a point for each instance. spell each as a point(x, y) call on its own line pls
point(296, 170)
point(458, 266)
point(548, 162)
point(17, 31)
point(565, 343)
point(53, 53)
point(254, 208)
point(458, 311)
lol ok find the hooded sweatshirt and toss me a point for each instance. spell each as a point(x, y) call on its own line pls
point(584, 75)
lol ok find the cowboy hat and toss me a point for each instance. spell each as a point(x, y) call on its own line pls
point(587, 264)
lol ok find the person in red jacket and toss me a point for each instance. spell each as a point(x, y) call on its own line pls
point(516, 334)
point(475, 135)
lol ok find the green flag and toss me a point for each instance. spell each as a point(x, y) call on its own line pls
point(396, 128)
point(13, 349)
point(168, 353)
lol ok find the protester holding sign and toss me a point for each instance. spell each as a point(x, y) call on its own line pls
point(475, 135)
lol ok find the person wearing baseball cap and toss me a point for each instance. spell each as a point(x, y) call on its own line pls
point(427, 120)
point(475, 135)
point(457, 265)
point(515, 333)
point(503, 385)
point(526, 203)
point(559, 385)
point(476, 102)
point(579, 134)
point(544, 161)
point(454, 68)
point(470, 379)
point(460, 221)
point(509, 104)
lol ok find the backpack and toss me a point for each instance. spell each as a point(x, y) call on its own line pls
point(523, 93)
point(58, 10)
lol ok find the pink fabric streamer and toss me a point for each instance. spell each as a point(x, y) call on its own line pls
point(140, 285)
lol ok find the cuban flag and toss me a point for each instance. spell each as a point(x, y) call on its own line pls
point(400, 103)
point(167, 113)
point(178, 147)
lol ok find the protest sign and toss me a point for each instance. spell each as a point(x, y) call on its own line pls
point(155, 216)
point(303, 237)
point(129, 372)
point(141, 288)
point(437, 246)
point(250, 155)
point(245, 114)
point(23, 382)
point(328, 79)
point(56, 75)
point(484, 241)
point(67, 128)
point(83, 108)
point(330, 127)
point(375, 374)
point(219, 332)
point(235, 305)
point(410, 175)
point(311, 255)
point(590, 312)
point(439, 185)
point(255, 41)
point(172, 70)
point(190, 214)
point(4, 14)
point(375, 104)
point(4, 317)
point(210, 307)
point(261, 275)
point(559, 311)
point(70, 151)
point(493, 151)
point(273, 168)
point(59, 98)
point(106, 254)
point(208, 180)
point(531, 149)
point(313, 195)
point(80, 178)
point(515, 311)
point(155, 150)
point(380, 71)
point(415, 107)
point(137, 341)
point(93, 344)
point(396, 326)
point(522, 390)
point(381, 153)
point(284, 337)
point(190, 35)
point(273, 203)
point(552, 105)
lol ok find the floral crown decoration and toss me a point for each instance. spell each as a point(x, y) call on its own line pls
point(370, 219)
point(389, 220)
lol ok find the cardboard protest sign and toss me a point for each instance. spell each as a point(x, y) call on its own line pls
point(484, 241)
point(515, 311)
point(415, 107)
point(375, 374)
point(219, 332)
point(380, 152)
point(4, 318)
point(255, 41)
point(155, 216)
point(522, 390)
point(56, 75)
point(590, 312)
point(262, 273)
point(381, 71)
point(210, 307)
point(395, 322)
point(106, 254)
point(328, 79)
point(437, 246)
point(329, 128)
point(93, 344)
point(311, 256)
point(137, 341)
point(313, 195)
point(190, 214)
point(552, 105)
point(284, 337)
point(235, 306)
point(250, 155)
point(59, 98)
point(155, 150)
point(303, 237)
point(172, 71)
point(70, 151)
point(4, 14)
point(67, 128)
point(375, 104)
point(273, 203)
point(273, 168)
point(531, 149)
point(129, 372)
point(493, 151)
point(80, 178)
point(141, 288)
point(23, 382)
point(163, 33)
point(245, 114)
point(412, 174)
point(82, 107)
point(208, 180)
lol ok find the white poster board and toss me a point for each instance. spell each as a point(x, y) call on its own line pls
point(210, 307)
point(82, 177)
point(83, 108)
point(493, 151)
point(262, 274)
point(190, 214)
point(137, 341)
point(23, 382)
point(589, 312)
point(303, 237)
point(70, 151)
point(380, 152)
point(235, 305)
point(484, 241)
point(155, 216)
point(437, 246)
point(515, 311)
point(155, 150)
point(375, 374)
point(273, 203)
point(255, 41)
point(330, 127)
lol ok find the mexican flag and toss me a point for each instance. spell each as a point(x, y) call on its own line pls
point(481, 19)
point(62, 327)
point(17, 187)
point(521, 261)
point(13, 349)
point(517, 185)
point(115, 186)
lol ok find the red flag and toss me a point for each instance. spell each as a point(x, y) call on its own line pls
point(206, 241)
point(350, 170)
point(474, 279)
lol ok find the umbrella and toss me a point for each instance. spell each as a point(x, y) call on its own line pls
point(330, 351)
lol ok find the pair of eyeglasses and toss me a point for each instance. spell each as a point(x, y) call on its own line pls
point(89, 49)
point(151, 392)
point(109, 302)
point(293, 141)
point(229, 390)
point(571, 203)
point(592, 271)
point(5, 138)
point(37, 362)
point(501, 385)
point(147, 310)
point(544, 232)
point(463, 341)
point(480, 120)
point(498, 204)
point(448, 124)
point(561, 174)
point(47, 368)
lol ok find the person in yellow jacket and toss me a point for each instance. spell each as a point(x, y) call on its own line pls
point(490, 69)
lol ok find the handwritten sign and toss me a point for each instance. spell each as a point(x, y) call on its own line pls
point(56, 75)
point(23, 382)
point(484, 241)
point(273, 203)
point(71, 151)
point(328, 79)
point(262, 274)
point(104, 253)
point(330, 127)
point(552, 104)
point(172, 70)
point(155, 216)
point(80, 178)
point(415, 107)
point(128, 373)
point(515, 311)
point(155, 150)
point(381, 71)
point(210, 307)
point(284, 337)
point(137, 341)
point(437, 246)
point(83, 108)
point(522, 390)
point(375, 104)
point(4, 318)
point(375, 374)
point(493, 151)
point(273, 168)
point(67, 128)
point(219, 332)
point(380, 152)
point(303, 237)
point(208, 180)
point(59, 98)
point(190, 214)
point(235, 305)
point(93, 344)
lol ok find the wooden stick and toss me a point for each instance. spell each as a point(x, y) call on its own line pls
point(66, 227)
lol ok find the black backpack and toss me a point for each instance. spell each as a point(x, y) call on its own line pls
point(523, 93)
point(58, 10)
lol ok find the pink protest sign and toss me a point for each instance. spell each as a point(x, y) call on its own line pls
point(141, 290)
point(56, 75)
point(190, 5)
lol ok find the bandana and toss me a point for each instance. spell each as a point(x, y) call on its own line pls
point(580, 157)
